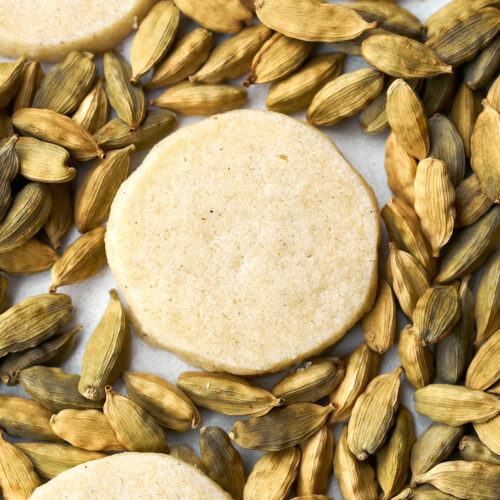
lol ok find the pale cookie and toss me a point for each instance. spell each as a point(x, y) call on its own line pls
point(131, 476)
point(46, 30)
point(245, 243)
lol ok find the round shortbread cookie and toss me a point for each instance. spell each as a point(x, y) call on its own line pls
point(245, 243)
point(46, 30)
point(131, 476)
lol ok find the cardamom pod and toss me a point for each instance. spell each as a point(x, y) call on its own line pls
point(60, 218)
point(52, 351)
point(425, 492)
point(134, 427)
point(6, 129)
point(456, 405)
point(31, 80)
point(221, 461)
point(53, 127)
point(43, 162)
point(454, 352)
point(401, 56)
point(379, 325)
point(55, 389)
point(280, 428)
point(190, 52)
point(32, 321)
point(279, 56)
point(18, 479)
point(129, 101)
point(116, 133)
point(226, 393)
point(373, 118)
point(51, 459)
point(4, 286)
point(67, 83)
point(26, 419)
point(166, 403)
point(407, 119)
point(11, 74)
point(154, 37)
point(311, 21)
point(401, 169)
point(463, 37)
point(201, 99)
point(356, 479)
point(233, 57)
point(479, 71)
point(447, 145)
point(186, 454)
point(99, 186)
point(470, 247)
point(465, 109)
point(315, 466)
point(408, 278)
point(85, 429)
point(472, 450)
point(416, 359)
point(106, 352)
point(221, 16)
point(483, 157)
point(353, 46)
point(393, 459)
point(433, 446)
point(92, 113)
point(310, 382)
point(470, 201)
point(483, 370)
point(345, 96)
point(296, 92)
point(463, 479)
point(437, 93)
point(361, 366)
point(489, 433)
point(373, 415)
point(9, 167)
point(493, 94)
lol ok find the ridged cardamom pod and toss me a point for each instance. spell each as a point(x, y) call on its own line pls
point(483, 370)
point(9, 167)
point(10, 77)
point(489, 433)
point(479, 71)
point(185, 453)
point(31, 80)
point(373, 118)
point(6, 129)
point(92, 113)
point(353, 46)
point(472, 450)
point(437, 93)
point(493, 94)
point(470, 201)
point(60, 218)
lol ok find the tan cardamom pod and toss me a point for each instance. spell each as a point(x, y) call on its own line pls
point(9, 167)
point(11, 74)
point(106, 352)
point(345, 96)
point(273, 475)
point(186, 454)
point(483, 370)
point(416, 359)
point(373, 415)
point(85, 429)
point(470, 201)
point(310, 382)
point(60, 218)
point(493, 94)
point(489, 433)
point(407, 119)
point(437, 93)
point(280, 428)
point(166, 403)
point(81, 260)
point(6, 129)
point(226, 393)
point(98, 187)
point(33, 320)
point(31, 80)
point(92, 113)
point(479, 71)
point(373, 118)
point(134, 427)
point(353, 46)
point(221, 461)
point(67, 83)
point(472, 450)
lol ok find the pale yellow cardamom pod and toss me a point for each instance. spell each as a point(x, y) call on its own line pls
point(438, 93)
point(483, 370)
point(470, 201)
point(479, 71)
point(472, 450)
point(60, 218)
point(31, 80)
point(11, 74)
point(31, 258)
point(92, 113)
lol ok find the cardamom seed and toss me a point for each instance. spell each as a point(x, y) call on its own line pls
point(361, 366)
point(31, 80)
point(60, 218)
point(166, 403)
point(280, 428)
point(438, 93)
point(484, 371)
point(478, 72)
point(416, 359)
point(353, 46)
point(310, 382)
point(129, 101)
point(134, 427)
point(470, 201)
point(188, 55)
point(186, 454)
point(11, 74)
point(472, 450)
point(99, 186)
point(85, 429)
point(106, 352)
point(153, 38)
point(489, 433)
point(53, 127)
point(226, 393)
point(93, 111)
point(221, 461)
point(493, 94)
point(9, 167)
point(345, 96)
point(311, 21)
point(67, 83)
point(6, 129)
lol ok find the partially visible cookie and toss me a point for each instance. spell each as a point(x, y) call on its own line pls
point(131, 476)
point(46, 30)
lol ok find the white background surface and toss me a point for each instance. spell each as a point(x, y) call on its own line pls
point(364, 152)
